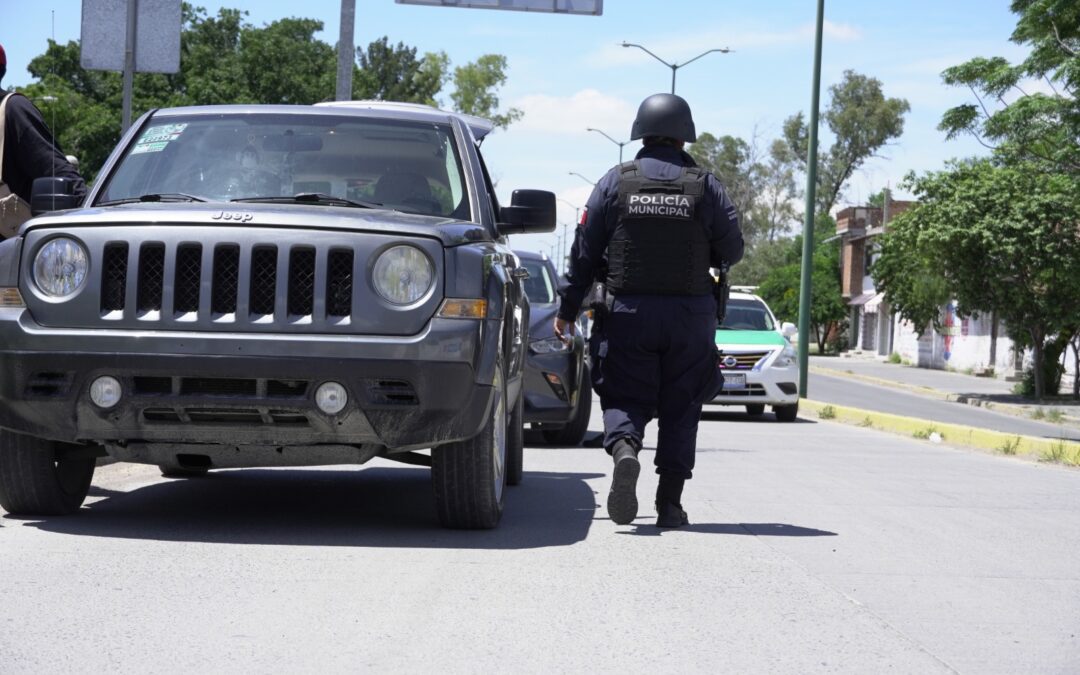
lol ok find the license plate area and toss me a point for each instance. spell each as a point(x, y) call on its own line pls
point(734, 381)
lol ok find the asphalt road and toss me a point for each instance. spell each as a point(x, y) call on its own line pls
point(840, 390)
point(815, 547)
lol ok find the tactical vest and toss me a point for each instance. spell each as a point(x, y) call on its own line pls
point(660, 245)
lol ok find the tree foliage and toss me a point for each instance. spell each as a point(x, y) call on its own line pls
point(224, 59)
point(997, 238)
point(862, 121)
point(1018, 122)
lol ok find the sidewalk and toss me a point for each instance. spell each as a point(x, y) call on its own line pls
point(989, 393)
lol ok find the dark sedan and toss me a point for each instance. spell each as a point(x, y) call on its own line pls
point(558, 391)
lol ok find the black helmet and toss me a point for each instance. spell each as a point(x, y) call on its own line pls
point(665, 115)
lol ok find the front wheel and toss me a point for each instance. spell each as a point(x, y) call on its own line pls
point(468, 476)
point(786, 413)
point(36, 480)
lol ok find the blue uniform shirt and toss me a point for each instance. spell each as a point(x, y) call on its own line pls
point(657, 162)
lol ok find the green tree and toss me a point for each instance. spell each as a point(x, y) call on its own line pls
point(394, 73)
point(1003, 239)
point(284, 63)
point(475, 85)
point(862, 122)
point(1040, 128)
point(733, 161)
point(780, 288)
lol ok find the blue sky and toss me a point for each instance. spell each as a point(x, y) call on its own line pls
point(569, 72)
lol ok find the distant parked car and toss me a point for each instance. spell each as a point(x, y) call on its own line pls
point(558, 391)
point(759, 365)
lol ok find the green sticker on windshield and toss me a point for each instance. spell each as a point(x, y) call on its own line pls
point(156, 139)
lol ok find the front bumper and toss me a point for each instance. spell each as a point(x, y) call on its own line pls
point(771, 385)
point(254, 390)
point(552, 402)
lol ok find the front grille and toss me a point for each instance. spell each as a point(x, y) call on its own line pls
point(217, 386)
point(114, 277)
point(392, 392)
point(749, 390)
point(151, 277)
point(188, 275)
point(743, 360)
point(301, 281)
point(147, 385)
point(339, 283)
point(204, 415)
point(263, 279)
point(226, 280)
point(48, 384)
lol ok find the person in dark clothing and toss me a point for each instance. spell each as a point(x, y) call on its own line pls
point(29, 151)
point(652, 231)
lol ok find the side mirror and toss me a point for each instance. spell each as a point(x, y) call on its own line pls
point(52, 194)
point(529, 211)
point(788, 330)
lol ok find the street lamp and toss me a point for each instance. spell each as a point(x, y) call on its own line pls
point(565, 242)
point(575, 173)
point(577, 209)
point(618, 143)
point(675, 66)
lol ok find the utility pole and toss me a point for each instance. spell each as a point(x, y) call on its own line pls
point(811, 198)
point(346, 51)
point(129, 64)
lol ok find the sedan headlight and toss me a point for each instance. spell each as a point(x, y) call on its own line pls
point(60, 267)
point(549, 345)
point(402, 275)
point(787, 357)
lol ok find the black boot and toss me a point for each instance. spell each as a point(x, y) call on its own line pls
point(669, 511)
point(622, 500)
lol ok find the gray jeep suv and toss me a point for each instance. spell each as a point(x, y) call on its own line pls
point(271, 286)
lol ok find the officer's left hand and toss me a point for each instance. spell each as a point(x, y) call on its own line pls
point(564, 330)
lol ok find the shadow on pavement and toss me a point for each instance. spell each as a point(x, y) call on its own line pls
point(755, 529)
point(378, 507)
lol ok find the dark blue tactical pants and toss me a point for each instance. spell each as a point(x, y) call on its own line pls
point(655, 356)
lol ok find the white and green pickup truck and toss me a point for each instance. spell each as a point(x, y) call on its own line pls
point(759, 364)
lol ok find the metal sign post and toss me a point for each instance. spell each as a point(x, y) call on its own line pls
point(346, 51)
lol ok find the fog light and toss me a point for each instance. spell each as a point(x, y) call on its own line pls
point(331, 397)
point(105, 391)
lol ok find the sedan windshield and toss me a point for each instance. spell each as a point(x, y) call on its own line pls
point(539, 287)
point(747, 315)
point(346, 161)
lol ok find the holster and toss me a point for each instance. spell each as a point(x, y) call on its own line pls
point(600, 302)
point(721, 291)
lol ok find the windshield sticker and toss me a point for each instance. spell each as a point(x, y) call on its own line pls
point(156, 139)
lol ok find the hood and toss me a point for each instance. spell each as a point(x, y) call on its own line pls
point(293, 216)
point(757, 338)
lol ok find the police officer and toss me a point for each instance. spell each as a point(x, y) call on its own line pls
point(651, 231)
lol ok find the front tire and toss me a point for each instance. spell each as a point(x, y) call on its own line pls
point(35, 481)
point(468, 476)
point(786, 413)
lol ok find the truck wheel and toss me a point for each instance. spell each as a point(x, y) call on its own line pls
point(574, 431)
point(468, 476)
point(33, 482)
point(786, 413)
point(755, 409)
point(515, 442)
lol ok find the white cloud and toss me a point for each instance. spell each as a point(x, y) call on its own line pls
point(572, 114)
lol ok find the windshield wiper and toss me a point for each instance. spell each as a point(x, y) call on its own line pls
point(156, 197)
point(311, 198)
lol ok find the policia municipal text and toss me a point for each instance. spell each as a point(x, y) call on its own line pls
point(652, 230)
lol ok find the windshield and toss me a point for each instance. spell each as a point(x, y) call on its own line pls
point(540, 287)
point(402, 165)
point(747, 315)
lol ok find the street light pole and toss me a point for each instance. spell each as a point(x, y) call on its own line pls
point(575, 173)
point(675, 66)
point(808, 223)
point(618, 143)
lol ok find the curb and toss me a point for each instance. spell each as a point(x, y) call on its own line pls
point(1044, 449)
point(1016, 410)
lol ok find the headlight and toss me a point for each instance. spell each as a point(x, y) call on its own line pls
point(60, 267)
point(402, 275)
point(787, 357)
point(549, 345)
